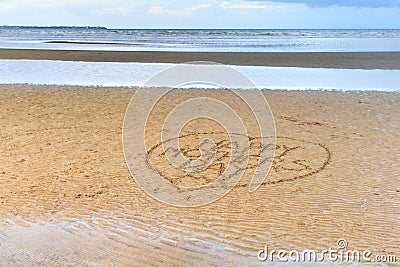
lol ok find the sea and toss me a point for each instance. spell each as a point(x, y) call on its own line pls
point(200, 40)
point(197, 40)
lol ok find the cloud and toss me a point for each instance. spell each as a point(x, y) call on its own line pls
point(114, 11)
point(226, 4)
point(347, 3)
point(193, 8)
point(158, 10)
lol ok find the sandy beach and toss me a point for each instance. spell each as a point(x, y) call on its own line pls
point(346, 60)
point(67, 194)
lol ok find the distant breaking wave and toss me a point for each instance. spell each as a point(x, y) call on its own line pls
point(89, 42)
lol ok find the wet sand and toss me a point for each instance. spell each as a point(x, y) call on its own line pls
point(67, 196)
point(346, 60)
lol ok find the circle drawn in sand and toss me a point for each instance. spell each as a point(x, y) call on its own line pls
point(294, 159)
point(140, 127)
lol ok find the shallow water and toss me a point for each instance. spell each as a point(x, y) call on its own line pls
point(135, 74)
point(102, 242)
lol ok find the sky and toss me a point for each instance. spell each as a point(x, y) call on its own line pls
point(280, 14)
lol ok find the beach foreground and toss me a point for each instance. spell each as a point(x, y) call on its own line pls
point(67, 194)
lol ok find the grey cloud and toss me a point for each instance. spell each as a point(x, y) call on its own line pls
point(348, 3)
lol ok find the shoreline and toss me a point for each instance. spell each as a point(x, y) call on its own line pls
point(340, 60)
point(262, 89)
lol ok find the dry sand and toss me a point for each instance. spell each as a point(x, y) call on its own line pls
point(345, 60)
point(66, 194)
